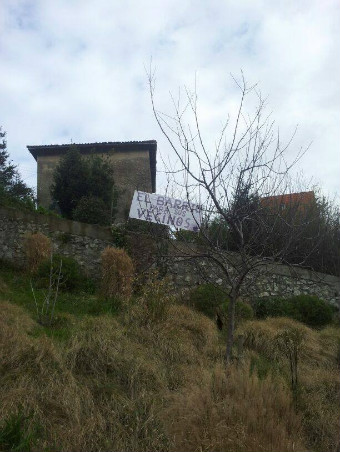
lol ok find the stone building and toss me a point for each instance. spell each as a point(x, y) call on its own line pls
point(133, 162)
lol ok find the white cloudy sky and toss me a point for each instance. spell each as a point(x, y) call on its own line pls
point(74, 70)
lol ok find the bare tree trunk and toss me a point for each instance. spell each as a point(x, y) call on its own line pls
point(230, 328)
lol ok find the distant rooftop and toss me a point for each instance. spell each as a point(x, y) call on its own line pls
point(303, 196)
point(88, 148)
point(301, 199)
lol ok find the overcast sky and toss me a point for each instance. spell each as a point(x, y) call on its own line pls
point(74, 70)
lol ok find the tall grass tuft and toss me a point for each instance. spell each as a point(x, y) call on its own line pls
point(318, 400)
point(37, 248)
point(233, 412)
point(117, 273)
point(151, 307)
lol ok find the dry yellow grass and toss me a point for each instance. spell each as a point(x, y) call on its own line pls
point(233, 413)
point(37, 247)
point(117, 273)
point(114, 386)
point(318, 370)
point(35, 379)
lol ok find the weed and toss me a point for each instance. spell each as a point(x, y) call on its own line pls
point(207, 299)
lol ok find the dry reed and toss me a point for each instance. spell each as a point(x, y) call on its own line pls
point(37, 247)
point(117, 273)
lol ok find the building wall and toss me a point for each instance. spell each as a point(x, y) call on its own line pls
point(46, 166)
point(131, 172)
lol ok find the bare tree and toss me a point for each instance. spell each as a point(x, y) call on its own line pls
point(45, 312)
point(247, 163)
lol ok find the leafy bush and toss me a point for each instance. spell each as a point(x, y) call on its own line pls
point(117, 273)
point(207, 298)
point(119, 237)
point(37, 247)
point(211, 300)
point(72, 276)
point(271, 307)
point(243, 311)
point(93, 210)
point(43, 211)
point(311, 310)
point(307, 309)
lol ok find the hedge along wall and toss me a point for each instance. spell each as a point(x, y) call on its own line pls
point(85, 242)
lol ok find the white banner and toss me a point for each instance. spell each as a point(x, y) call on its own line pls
point(168, 211)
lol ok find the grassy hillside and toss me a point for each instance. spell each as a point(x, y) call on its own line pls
point(106, 378)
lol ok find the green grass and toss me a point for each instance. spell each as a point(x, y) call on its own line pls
point(264, 366)
point(15, 287)
point(15, 434)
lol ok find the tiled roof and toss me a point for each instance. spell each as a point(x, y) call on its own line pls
point(305, 198)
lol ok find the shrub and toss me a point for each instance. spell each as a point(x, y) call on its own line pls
point(37, 248)
point(117, 273)
point(43, 211)
point(311, 310)
point(243, 311)
point(119, 237)
point(72, 276)
point(93, 210)
point(271, 307)
point(207, 299)
point(308, 309)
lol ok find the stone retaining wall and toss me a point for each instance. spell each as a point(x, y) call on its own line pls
point(271, 280)
point(85, 242)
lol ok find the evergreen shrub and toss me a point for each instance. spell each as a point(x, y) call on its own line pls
point(207, 299)
point(311, 310)
point(243, 311)
point(308, 309)
point(92, 210)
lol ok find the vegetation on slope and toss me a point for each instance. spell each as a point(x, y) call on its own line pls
point(117, 381)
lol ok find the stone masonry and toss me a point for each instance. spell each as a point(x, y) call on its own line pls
point(85, 242)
